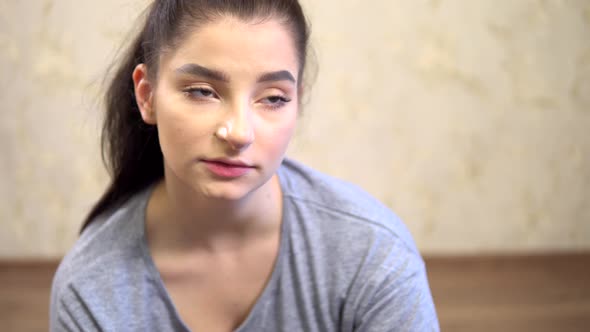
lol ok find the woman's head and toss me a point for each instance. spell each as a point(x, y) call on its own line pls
point(168, 23)
point(197, 67)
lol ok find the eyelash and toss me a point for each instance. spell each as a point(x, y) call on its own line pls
point(189, 92)
point(280, 101)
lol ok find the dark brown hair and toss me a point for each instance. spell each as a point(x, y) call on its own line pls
point(130, 148)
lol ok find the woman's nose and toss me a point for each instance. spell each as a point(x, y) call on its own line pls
point(240, 131)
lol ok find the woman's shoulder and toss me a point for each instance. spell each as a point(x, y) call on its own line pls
point(348, 240)
point(344, 205)
point(105, 244)
point(102, 278)
point(300, 180)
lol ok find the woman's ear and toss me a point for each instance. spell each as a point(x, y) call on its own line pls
point(301, 93)
point(144, 94)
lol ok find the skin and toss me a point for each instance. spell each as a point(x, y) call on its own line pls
point(215, 240)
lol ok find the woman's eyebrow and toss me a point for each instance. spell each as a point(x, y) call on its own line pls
point(281, 75)
point(197, 70)
point(217, 75)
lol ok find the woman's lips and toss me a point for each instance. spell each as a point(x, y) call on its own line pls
point(227, 169)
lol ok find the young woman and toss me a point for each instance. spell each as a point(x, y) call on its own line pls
point(206, 226)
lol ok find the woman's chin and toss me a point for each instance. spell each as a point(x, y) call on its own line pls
point(225, 192)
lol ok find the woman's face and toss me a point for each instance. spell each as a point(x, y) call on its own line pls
point(225, 104)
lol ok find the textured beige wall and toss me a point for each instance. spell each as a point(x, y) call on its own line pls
point(471, 119)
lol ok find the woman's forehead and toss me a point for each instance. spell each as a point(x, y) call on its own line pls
point(235, 45)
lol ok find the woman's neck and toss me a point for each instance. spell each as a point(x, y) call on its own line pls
point(179, 220)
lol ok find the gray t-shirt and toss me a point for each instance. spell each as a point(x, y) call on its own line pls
point(345, 263)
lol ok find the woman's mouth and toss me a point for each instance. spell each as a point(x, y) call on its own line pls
point(227, 168)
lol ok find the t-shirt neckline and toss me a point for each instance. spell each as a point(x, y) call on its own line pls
point(269, 288)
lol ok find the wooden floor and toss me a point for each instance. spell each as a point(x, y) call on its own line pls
point(534, 293)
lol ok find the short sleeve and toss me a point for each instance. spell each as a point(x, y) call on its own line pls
point(400, 301)
point(69, 313)
point(68, 310)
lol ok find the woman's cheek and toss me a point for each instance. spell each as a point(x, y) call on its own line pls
point(278, 139)
point(180, 137)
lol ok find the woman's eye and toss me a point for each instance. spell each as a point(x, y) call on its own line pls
point(200, 93)
point(276, 101)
